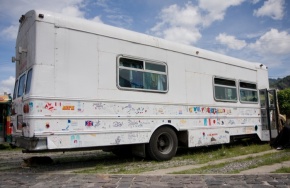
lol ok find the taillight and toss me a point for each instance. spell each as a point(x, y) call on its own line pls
point(8, 130)
point(13, 112)
point(26, 108)
point(8, 127)
point(47, 125)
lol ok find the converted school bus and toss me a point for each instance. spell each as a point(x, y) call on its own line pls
point(85, 85)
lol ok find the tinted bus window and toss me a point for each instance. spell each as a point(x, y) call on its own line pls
point(225, 90)
point(28, 81)
point(21, 86)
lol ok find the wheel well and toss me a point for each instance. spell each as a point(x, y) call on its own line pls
point(169, 126)
point(182, 136)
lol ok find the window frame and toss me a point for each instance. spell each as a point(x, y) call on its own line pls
point(225, 86)
point(248, 89)
point(23, 85)
point(144, 71)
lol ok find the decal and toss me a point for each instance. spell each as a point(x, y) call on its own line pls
point(160, 111)
point(231, 122)
point(89, 123)
point(117, 124)
point(75, 140)
point(118, 140)
point(30, 106)
point(182, 121)
point(132, 123)
point(81, 106)
point(98, 105)
point(68, 108)
point(49, 106)
point(68, 125)
point(97, 123)
point(190, 110)
point(73, 123)
point(205, 121)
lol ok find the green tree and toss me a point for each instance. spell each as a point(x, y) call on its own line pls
point(284, 101)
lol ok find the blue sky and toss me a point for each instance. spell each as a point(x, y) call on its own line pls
point(253, 30)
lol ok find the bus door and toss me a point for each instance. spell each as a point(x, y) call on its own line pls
point(269, 112)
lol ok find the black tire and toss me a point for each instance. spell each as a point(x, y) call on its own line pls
point(163, 144)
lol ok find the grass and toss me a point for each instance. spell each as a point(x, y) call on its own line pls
point(7, 147)
point(183, 157)
point(283, 170)
point(244, 164)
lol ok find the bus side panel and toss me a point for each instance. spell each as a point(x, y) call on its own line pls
point(76, 140)
point(208, 137)
point(76, 64)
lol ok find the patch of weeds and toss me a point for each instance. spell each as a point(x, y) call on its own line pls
point(283, 170)
point(8, 147)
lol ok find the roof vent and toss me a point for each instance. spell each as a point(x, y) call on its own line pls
point(40, 16)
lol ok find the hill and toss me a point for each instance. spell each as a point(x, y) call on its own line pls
point(280, 83)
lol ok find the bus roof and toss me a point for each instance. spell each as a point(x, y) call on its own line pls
point(87, 26)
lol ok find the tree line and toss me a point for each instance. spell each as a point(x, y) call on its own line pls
point(283, 86)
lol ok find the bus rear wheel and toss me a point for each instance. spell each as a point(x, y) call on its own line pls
point(163, 144)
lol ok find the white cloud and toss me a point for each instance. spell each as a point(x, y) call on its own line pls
point(7, 85)
point(231, 41)
point(70, 7)
point(255, 1)
point(120, 20)
point(10, 32)
point(183, 23)
point(114, 14)
point(215, 10)
point(179, 24)
point(97, 19)
point(273, 42)
point(182, 35)
point(271, 8)
point(8, 8)
point(72, 11)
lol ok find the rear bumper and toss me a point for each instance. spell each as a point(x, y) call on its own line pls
point(30, 144)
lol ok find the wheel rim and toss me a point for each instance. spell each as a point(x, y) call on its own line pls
point(164, 143)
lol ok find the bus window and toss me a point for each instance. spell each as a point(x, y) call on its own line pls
point(225, 90)
point(15, 89)
point(142, 75)
point(21, 86)
point(28, 81)
point(248, 92)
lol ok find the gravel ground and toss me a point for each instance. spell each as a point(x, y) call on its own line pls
point(240, 165)
point(13, 161)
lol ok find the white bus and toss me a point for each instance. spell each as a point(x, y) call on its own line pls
point(86, 85)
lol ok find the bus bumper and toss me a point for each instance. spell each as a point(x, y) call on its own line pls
point(30, 144)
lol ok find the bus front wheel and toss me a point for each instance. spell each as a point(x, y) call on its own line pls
point(163, 144)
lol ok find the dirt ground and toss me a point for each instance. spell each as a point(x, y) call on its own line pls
point(15, 160)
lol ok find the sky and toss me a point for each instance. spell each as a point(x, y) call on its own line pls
point(252, 30)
